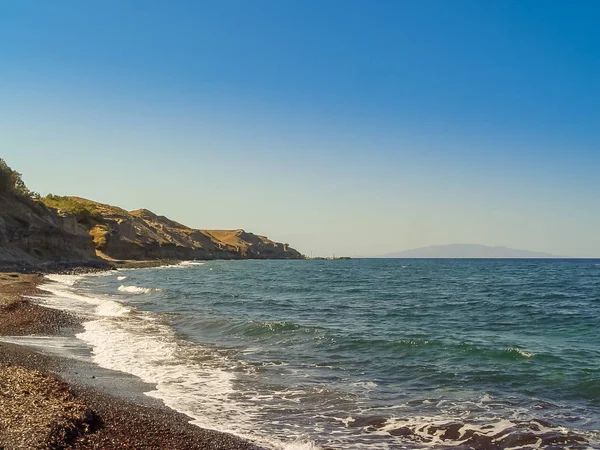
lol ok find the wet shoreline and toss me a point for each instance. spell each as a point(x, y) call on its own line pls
point(69, 403)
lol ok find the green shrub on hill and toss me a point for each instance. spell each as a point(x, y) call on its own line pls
point(85, 213)
point(12, 183)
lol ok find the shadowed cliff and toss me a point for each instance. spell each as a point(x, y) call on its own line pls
point(31, 233)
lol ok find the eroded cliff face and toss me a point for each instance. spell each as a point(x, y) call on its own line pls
point(74, 231)
point(31, 233)
point(143, 235)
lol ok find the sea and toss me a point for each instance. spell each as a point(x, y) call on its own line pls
point(360, 354)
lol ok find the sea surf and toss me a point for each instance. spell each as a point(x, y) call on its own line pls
point(377, 354)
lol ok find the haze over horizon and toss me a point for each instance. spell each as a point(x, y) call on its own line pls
point(468, 251)
point(338, 127)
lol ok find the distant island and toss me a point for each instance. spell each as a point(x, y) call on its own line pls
point(467, 251)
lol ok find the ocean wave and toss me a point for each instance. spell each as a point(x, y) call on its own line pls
point(191, 263)
point(195, 380)
point(408, 386)
point(518, 351)
point(109, 308)
point(136, 289)
point(69, 280)
point(64, 297)
point(180, 265)
point(389, 345)
point(259, 328)
point(192, 379)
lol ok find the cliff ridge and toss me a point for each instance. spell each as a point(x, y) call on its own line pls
point(69, 231)
point(144, 235)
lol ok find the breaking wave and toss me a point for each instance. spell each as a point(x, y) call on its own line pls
point(136, 289)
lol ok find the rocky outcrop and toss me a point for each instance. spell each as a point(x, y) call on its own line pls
point(144, 235)
point(31, 233)
point(59, 233)
point(34, 236)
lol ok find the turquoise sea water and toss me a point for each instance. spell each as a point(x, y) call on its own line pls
point(360, 353)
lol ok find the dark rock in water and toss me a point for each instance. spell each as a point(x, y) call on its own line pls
point(480, 442)
point(452, 431)
point(518, 439)
point(532, 426)
point(522, 435)
point(557, 438)
point(372, 421)
point(402, 431)
point(543, 423)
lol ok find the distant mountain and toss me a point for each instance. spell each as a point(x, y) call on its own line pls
point(467, 251)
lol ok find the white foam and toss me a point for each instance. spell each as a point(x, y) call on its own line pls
point(180, 265)
point(121, 278)
point(192, 379)
point(135, 289)
point(57, 345)
point(191, 263)
point(368, 385)
point(430, 430)
point(201, 382)
point(69, 280)
point(65, 298)
point(520, 352)
point(189, 378)
point(109, 308)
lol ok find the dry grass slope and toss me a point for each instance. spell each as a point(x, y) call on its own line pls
point(142, 234)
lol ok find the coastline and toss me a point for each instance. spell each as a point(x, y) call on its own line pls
point(49, 401)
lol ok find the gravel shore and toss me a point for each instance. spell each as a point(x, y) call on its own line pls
point(45, 403)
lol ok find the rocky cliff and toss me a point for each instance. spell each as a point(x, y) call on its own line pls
point(72, 231)
point(143, 235)
point(31, 233)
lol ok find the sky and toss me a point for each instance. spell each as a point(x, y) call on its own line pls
point(338, 126)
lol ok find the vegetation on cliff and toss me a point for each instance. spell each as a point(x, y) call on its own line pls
point(142, 234)
point(85, 212)
point(31, 233)
point(12, 183)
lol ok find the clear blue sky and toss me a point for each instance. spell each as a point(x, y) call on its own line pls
point(352, 127)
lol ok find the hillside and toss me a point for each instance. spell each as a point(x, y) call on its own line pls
point(466, 251)
point(57, 232)
point(144, 235)
point(32, 234)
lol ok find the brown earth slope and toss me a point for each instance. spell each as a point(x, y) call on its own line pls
point(144, 235)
